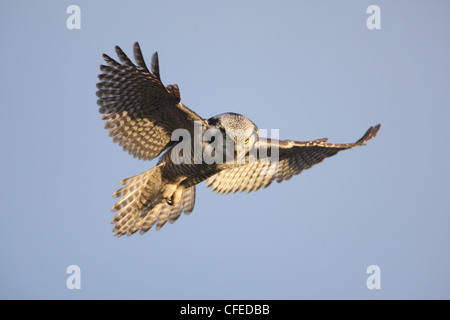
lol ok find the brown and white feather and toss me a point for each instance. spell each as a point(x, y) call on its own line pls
point(140, 112)
point(294, 157)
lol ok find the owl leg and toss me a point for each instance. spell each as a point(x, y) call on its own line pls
point(175, 197)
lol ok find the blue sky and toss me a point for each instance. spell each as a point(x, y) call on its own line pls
point(310, 69)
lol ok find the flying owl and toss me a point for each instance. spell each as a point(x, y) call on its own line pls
point(148, 119)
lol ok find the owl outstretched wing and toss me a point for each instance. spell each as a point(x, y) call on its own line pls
point(140, 112)
point(293, 158)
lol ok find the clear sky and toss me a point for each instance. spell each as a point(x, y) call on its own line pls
point(310, 69)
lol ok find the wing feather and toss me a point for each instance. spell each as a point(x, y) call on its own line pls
point(140, 112)
point(294, 157)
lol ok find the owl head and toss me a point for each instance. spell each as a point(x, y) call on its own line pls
point(239, 134)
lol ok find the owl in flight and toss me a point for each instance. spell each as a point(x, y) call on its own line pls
point(148, 119)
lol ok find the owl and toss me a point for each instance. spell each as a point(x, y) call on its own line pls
point(149, 120)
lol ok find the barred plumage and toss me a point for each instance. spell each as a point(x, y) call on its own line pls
point(294, 157)
point(141, 114)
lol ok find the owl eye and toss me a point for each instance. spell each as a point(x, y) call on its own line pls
point(246, 141)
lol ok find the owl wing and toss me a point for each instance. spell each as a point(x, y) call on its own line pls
point(293, 158)
point(140, 112)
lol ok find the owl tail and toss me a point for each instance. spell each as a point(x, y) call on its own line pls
point(142, 204)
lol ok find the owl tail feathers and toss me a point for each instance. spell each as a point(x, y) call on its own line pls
point(140, 195)
point(143, 203)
